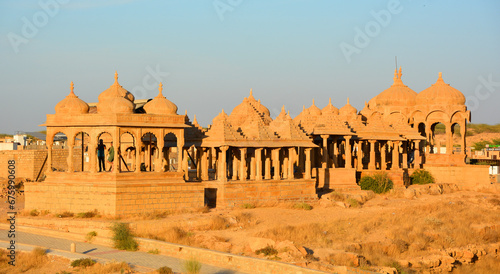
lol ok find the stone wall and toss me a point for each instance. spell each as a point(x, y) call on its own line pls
point(466, 177)
point(236, 193)
point(113, 194)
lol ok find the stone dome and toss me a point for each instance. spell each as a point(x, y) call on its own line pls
point(115, 100)
point(330, 109)
point(72, 104)
point(114, 89)
point(222, 116)
point(396, 95)
point(262, 109)
point(160, 104)
point(440, 93)
point(348, 110)
point(314, 110)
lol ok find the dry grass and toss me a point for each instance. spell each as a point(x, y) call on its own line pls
point(173, 234)
point(489, 264)
point(404, 233)
point(218, 223)
point(25, 261)
point(112, 267)
point(245, 219)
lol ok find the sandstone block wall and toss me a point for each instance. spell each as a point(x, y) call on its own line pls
point(467, 177)
point(236, 193)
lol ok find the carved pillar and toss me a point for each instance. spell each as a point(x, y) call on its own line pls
point(180, 145)
point(258, 168)
point(204, 164)
point(383, 156)
point(243, 164)
point(116, 144)
point(416, 155)
point(69, 159)
point(138, 143)
point(348, 152)
point(268, 155)
point(276, 164)
point(463, 132)
point(325, 151)
point(222, 164)
point(160, 142)
point(371, 164)
point(307, 173)
point(449, 139)
point(236, 165)
point(395, 155)
point(92, 154)
point(252, 167)
point(360, 155)
point(290, 163)
point(284, 165)
point(405, 154)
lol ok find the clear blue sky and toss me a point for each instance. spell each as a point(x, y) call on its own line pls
point(210, 53)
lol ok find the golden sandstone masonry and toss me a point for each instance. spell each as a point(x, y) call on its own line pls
point(160, 160)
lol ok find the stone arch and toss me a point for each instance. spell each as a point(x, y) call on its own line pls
point(107, 139)
point(147, 151)
point(395, 116)
point(59, 151)
point(170, 152)
point(81, 157)
point(128, 151)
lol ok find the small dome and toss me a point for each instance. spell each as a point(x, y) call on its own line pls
point(348, 110)
point(396, 95)
point(366, 111)
point(440, 93)
point(330, 109)
point(160, 104)
point(314, 110)
point(114, 89)
point(72, 104)
point(222, 116)
point(115, 100)
point(262, 109)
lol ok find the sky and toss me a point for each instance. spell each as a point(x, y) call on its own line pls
point(209, 54)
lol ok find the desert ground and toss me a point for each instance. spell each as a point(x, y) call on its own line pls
point(429, 228)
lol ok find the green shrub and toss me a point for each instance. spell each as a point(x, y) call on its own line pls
point(165, 270)
point(90, 236)
point(192, 266)
point(154, 251)
point(421, 177)
point(303, 206)
point(353, 203)
point(85, 262)
point(247, 206)
point(88, 214)
point(268, 251)
point(34, 212)
point(122, 237)
point(378, 182)
point(39, 251)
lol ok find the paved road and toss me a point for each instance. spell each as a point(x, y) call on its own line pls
point(144, 261)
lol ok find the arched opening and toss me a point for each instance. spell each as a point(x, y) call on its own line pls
point(81, 152)
point(170, 152)
point(438, 138)
point(59, 152)
point(148, 150)
point(103, 149)
point(127, 152)
point(456, 137)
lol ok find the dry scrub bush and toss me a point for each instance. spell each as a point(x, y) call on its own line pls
point(25, 261)
point(218, 223)
point(489, 264)
point(245, 219)
point(112, 267)
point(173, 234)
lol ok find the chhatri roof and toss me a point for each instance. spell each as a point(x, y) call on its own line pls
point(397, 95)
point(115, 100)
point(348, 110)
point(330, 109)
point(440, 93)
point(72, 104)
point(160, 104)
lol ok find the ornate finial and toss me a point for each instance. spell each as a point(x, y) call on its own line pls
point(330, 100)
point(366, 104)
point(283, 108)
point(160, 89)
point(186, 112)
point(116, 76)
point(348, 101)
point(72, 86)
point(251, 93)
point(395, 74)
point(288, 113)
point(258, 100)
point(194, 120)
point(441, 75)
point(313, 101)
point(303, 107)
point(222, 111)
point(400, 73)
